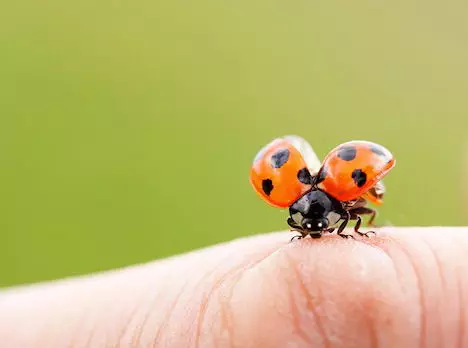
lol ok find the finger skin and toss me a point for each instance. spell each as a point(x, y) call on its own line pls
point(407, 287)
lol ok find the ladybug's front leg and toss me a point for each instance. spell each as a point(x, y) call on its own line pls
point(295, 227)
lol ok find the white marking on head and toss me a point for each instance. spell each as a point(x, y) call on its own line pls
point(333, 218)
point(297, 217)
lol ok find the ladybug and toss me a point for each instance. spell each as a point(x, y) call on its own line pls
point(287, 173)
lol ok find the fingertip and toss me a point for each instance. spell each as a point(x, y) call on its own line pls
point(386, 290)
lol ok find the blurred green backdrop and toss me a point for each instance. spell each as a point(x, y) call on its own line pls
point(128, 127)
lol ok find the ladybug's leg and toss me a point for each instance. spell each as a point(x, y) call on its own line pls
point(346, 219)
point(354, 216)
point(296, 228)
point(358, 225)
point(296, 237)
point(366, 211)
point(372, 218)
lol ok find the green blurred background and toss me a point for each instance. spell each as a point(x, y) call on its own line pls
point(128, 127)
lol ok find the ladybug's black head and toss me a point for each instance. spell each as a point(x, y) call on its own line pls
point(315, 211)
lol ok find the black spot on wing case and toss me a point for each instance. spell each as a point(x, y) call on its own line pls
point(347, 153)
point(267, 186)
point(359, 177)
point(280, 158)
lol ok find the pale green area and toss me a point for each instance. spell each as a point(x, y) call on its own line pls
point(128, 127)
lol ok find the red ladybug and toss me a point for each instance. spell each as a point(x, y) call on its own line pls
point(286, 173)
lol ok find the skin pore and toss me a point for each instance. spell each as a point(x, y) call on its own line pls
point(405, 287)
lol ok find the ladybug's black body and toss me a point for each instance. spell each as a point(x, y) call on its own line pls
point(317, 212)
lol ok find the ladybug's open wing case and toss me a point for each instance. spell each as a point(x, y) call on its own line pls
point(352, 169)
point(279, 173)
